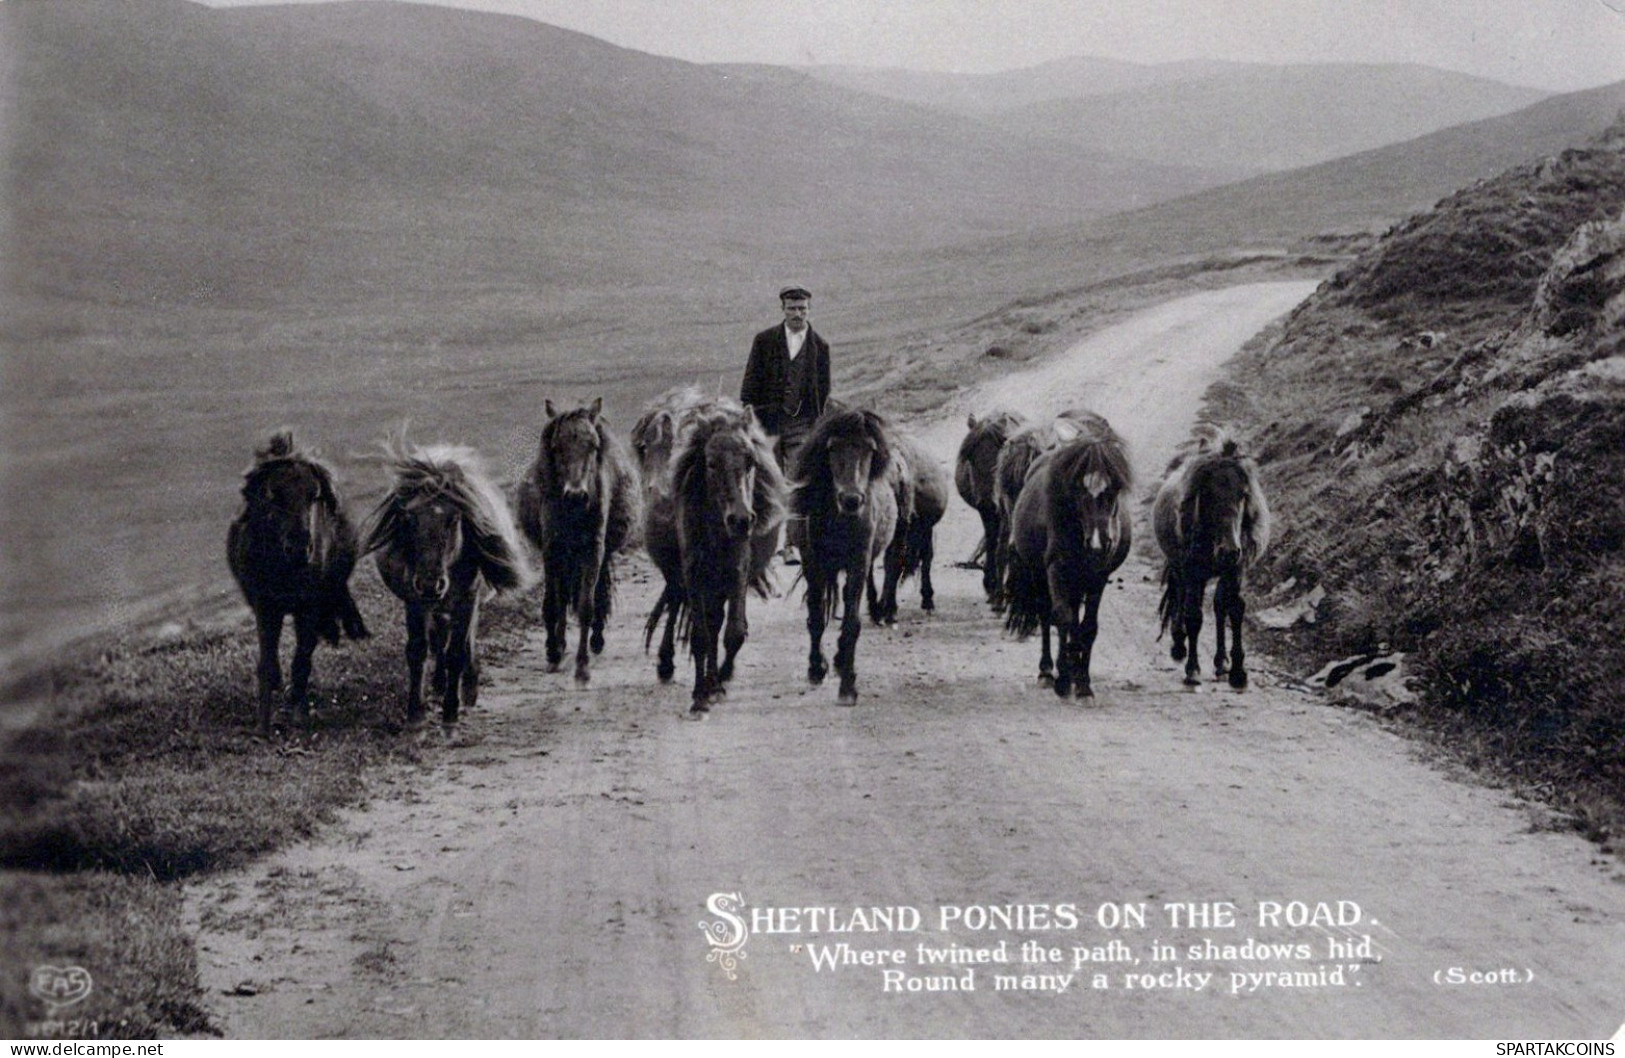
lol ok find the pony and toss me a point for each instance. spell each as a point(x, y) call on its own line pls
point(1021, 448)
point(842, 488)
point(653, 437)
point(579, 503)
point(1212, 522)
point(730, 501)
point(292, 551)
point(922, 499)
point(973, 478)
point(444, 539)
point(1069, 531)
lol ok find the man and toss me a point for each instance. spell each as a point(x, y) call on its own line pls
point(787, 376)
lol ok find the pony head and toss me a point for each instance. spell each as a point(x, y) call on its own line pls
point(571, 449)
point(846, 451)
point(290, 499)
point(1223, 512)
point(444, 514)
point(726, 459)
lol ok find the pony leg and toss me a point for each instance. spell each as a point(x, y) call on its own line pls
point(884, 612)
point(1046, 661)
point(927, 548)
point(1221, 606)
point(703, 646)
point(990, 565)
point(462, 675)
point(438, 632)
point(417, 649)
point(306, 631)
point(553, 618)
point(600, 606)
point(1238, 610)
point(738, 629)
point(1087, 631)
point(587, 615)
point(816, 619)
point(666, 665)
point(846, 650)
point(1065, 616)
point(1176, 605)
point(1191, 613)
point(268, 675)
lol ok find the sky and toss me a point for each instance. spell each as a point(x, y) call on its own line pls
point(1559, 45)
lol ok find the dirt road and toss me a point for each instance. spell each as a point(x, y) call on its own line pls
point(997, 861)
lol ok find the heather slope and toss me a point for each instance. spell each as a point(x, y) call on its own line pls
point(1442, 427)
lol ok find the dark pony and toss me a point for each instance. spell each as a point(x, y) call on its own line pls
point(843, 491)
point(730, 502)
point(443, 535)
point(1070, 530)
point(1211, 521)
point(291, 551)
point(1020, 450)
point(654, 436)
point(922, 499)
point(579, 504)
point(973, 477)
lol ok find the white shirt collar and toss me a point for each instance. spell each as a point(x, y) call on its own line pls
point(794, 340)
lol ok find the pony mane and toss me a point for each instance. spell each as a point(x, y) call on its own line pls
point(813, 486)
point(1097, 451)
point(1256, 523)
point(281, 451)
point(996, 426)
point(660, 420)
point(456, 474)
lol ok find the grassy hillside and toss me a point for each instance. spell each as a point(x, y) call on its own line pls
point(1442, 429)
point(160, 150)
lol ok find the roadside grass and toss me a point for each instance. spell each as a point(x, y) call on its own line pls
point(148, 772)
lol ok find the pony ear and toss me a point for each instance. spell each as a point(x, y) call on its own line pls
point(596, 409)
point(547, 405)
point(970, 421)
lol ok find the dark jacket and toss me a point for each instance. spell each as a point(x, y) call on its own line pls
point(768, 370)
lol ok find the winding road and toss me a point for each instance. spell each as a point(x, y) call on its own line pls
point(998, 862)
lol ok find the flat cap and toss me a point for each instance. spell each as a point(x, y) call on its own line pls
point(794, 291)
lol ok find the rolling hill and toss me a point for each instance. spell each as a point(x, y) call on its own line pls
point(1266, 119)
point(163, 150)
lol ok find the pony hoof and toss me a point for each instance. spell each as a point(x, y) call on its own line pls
point(583, 677)
point(1083, 691)
point(1238, 679)
point(597, 642)
point(815, 675)
point(1063, 689)
point(1046, 680)
point(1177, 652)
point(1192, 680)
point(664, 672)
point(847, 698)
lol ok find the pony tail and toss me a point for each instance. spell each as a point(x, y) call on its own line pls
point(1168, 607)
point(1257, 523)
point(379, 530)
